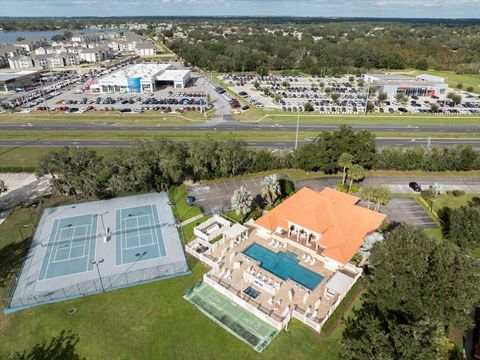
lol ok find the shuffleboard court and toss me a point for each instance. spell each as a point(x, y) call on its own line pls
point(92, 247)
point(235, 319)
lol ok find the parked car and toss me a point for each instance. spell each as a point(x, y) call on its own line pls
point(415, 186)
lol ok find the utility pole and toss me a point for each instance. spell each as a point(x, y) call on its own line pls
point(366, 101)
point(96, 263)
point(298, 124)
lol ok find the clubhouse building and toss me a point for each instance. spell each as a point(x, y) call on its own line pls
point(294, 261)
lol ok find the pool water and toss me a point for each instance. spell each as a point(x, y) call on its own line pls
point(251, 292)
point(283, 265)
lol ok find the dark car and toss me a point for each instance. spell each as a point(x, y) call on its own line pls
point(415, 186)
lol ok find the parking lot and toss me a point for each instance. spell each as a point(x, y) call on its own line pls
point(215, 196)
point(67, 92)
point(342, 95)
point(407, 211)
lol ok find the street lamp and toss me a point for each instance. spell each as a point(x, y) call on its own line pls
point(96, 263)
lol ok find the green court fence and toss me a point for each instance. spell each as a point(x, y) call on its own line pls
point(15, 302)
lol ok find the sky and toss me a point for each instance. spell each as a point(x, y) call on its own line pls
point(319, 8)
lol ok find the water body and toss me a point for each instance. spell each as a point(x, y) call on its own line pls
point(10, 37)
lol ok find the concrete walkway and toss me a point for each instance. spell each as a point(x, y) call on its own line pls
point(192, 219)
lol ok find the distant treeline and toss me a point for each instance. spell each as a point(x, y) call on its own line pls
point(159, 164)
point(331, 48)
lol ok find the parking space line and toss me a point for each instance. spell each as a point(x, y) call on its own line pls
point(245, 183)
point(214, 183)
point(253, 180)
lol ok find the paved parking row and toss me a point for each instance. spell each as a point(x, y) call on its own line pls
point(407, 211)
point(215, 197)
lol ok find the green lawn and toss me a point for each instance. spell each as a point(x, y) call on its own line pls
point(25, 159)
point(452, 201)
point(148, 321)
point(148, 117)
point(181, 210)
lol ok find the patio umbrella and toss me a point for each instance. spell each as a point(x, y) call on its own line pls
point(290, 294)
point(317, 303)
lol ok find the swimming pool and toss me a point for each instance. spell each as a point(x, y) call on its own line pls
point(283, 265)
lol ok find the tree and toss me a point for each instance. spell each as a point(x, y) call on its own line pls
point(345, 161)
point(434, 107)
point(417, 290)
point(470, 89)
point(422, 64)
point(356, 173)
point(256, 85)
point(328, 90)
point(351, 79)
point(401, 98)
point(382, 96)
point(368, 193)
point(270, 188)
point(242, 201)
point(335, 97)
point(459, 86)
point(3, 187)
point(308, 107)
point(457, 99)
point(382, 196)
point(462, 227)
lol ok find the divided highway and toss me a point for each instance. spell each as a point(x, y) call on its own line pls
point(237, 126)
point(381, 142)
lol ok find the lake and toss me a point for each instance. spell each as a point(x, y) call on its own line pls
point(10, 37)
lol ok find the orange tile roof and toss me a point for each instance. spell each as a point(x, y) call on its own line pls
point(330, 213)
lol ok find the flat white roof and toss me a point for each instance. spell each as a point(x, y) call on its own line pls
point(173, 75)
point(340, 283)
point(235, 230)
point(147, 71)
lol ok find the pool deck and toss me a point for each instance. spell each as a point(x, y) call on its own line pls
point(315, 306)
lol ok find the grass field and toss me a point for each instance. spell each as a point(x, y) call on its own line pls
point(148, 321)
point(452, 201)
point(264, 116)
point(108, 116)
point(181, 135)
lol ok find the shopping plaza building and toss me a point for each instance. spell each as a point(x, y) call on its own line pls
point(142, 78)
point(421, 85)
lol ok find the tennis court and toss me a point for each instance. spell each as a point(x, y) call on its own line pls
point(87, 248)
point(232, 317)
point(70, 248)
point(139, 233)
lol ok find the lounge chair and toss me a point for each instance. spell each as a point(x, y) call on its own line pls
point(271, 242)
point(222, 272)
point(312, 262)
point(304, 256)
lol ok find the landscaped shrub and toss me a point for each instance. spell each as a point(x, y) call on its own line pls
point(287, 187)
point(456, 193)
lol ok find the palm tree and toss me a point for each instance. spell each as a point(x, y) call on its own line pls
point(242, 201)
point(270, 188)
point(3, 187)
point(357, 172)
point(345, 161)
point(368, 192)
point(382, 197)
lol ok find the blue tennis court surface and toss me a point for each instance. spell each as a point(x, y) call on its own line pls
point(138, 234)
point(70, 248)
point(91, 247)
